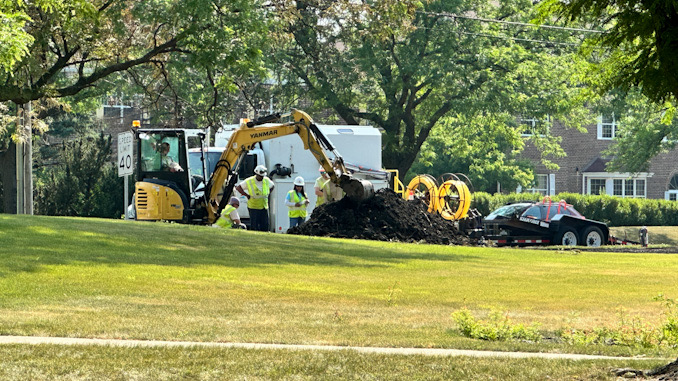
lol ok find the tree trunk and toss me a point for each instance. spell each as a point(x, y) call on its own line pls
point(8, 175)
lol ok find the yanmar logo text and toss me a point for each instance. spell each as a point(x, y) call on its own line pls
point(263, 134)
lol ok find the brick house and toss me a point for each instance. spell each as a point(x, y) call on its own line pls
point(583, 169)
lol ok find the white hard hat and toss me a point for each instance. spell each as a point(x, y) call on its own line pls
point(234, 201)
point(299, 181)
point(321, 169)
point(260, 170)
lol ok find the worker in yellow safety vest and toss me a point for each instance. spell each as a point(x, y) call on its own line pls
point(325, 190)
point(297, 201)
point(259, 187)
point(230, 217)
point(322, 187)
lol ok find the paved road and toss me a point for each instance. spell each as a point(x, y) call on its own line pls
point(379, 350)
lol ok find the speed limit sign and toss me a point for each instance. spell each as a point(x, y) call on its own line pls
point(125, 152)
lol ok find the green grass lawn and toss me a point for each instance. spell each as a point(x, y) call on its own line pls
point(115, 279)
point(659, 235)
point(48, 362)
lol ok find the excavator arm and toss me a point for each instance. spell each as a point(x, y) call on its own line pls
point(244, 138)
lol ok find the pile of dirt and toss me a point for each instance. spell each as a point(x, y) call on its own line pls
point(668, 372)
point(384, 217)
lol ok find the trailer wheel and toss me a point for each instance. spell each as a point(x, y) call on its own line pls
point(592, 236)
point(567, 236)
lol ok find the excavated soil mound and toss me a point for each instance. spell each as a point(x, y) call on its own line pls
point(384, 217)
point(668, 372)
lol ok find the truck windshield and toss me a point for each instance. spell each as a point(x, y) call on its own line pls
point(509, 210)
point(195, 166)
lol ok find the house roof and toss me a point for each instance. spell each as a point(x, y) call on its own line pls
point(596, 165)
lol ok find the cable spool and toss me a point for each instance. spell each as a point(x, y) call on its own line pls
point(425, 188)
point(454, 197)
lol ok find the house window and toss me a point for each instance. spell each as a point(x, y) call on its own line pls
point(628, 188)
point(527, 126)
point(597, 186)
point(672, 193)
point(640, 188)
point(530, 126)
point(607, 127)
point(620, 187)
point(540, 184)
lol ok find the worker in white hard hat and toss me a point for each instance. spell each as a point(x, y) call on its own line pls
point(230, 217)
point(258, 187)
point(297, 201)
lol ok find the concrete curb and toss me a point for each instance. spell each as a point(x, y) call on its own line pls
point(35, 340)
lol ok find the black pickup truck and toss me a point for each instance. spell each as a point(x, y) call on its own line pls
point(544, 223)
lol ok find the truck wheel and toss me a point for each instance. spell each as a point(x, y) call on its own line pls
point(567, 236)
point(592, 236)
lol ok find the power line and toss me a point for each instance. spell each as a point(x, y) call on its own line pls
point(452, 15)
point(519, 39)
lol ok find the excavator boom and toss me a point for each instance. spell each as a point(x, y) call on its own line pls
point(222, 181)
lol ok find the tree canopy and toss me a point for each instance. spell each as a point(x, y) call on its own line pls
point(634, 67)
point(76, 43)
point(639, 44)
point(408, 69)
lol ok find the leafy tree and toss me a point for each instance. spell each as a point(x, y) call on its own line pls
point(640, 39)
point(14, 40)
point(635, 68)
point(485, 149)
point(409, 69)
point(82, 183)
point(97, 38)
point(75, 44)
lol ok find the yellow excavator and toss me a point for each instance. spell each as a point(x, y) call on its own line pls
point(169, 190)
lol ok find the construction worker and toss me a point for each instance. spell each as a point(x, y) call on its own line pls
point(230, 217)
point(167, 163)
point(258, 187)
point(297, 201)
point(322, 187)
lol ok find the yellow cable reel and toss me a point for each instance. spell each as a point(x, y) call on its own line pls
point(454, 200)
point(454, 196)
point(423, 187)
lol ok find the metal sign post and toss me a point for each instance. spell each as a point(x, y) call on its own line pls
point(125, 162)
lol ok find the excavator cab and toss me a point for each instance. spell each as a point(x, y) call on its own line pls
point(166, 186)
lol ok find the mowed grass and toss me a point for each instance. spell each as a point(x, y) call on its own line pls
point(48, 362)
point(658, 235)
point(98, 278)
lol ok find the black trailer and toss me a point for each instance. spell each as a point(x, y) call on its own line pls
point(544, 223)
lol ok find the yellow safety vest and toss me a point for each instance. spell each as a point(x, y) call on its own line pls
point(258, 197)
point(296, 211)
point(326, 191)
point(225, 220)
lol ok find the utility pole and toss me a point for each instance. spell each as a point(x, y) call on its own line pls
point(20, 160)
point(24, 161)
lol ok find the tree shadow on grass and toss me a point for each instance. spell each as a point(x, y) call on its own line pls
point(29, 242)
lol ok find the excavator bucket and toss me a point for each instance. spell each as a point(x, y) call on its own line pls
point(356, 189)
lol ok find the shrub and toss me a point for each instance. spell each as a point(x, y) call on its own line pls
point(497, 327)
point(614, 211)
